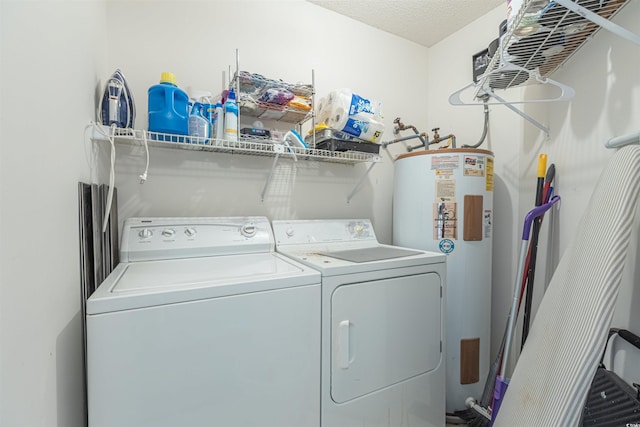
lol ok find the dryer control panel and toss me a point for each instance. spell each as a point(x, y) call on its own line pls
point(146, 239)
point(299, 232)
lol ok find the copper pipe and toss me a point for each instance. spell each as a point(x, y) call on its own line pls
point(435, 141)
point(401, 126)
point(405, 138)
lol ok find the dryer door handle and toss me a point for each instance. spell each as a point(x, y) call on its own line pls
point(343, 344)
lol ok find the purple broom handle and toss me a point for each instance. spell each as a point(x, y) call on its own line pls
point(534, 213)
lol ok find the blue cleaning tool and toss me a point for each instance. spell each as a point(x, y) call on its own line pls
point(295, 139)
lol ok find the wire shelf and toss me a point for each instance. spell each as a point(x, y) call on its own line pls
point(252, 85)
point(541, 39)
point(246, 146)
point(266, 111)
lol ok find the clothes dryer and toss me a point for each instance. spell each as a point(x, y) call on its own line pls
point(202, 323)
point(382, 324)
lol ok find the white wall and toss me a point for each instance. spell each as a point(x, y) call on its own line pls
point(605, 75)
point(51, 55)
point(607, 104)
point(55, 52)
point(278, 39)
point(449, 71)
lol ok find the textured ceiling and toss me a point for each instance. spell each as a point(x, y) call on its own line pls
point(425, 22)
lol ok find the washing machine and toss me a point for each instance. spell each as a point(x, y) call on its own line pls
point(203, 323)
point(382, 324)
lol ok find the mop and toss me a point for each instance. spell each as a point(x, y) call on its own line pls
point(542, 183)
point(501, 380)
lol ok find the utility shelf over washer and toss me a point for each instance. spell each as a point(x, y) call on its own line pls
point(245, 146)
point(254, 147)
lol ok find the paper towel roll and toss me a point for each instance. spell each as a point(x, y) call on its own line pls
point(354, 103)
point(360, 125)
point(322, 107)
point(337, 119)
point(372, 131)
point(364, 128)
point(338, 112)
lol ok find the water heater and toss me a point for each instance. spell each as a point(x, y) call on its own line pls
point(443, 202)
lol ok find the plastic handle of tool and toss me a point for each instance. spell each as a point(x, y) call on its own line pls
point(542, 165)
point(534, 213)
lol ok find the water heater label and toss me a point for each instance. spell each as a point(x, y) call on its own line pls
point(489, 182)
point(473, 165)
point(445, 189)
point(445, 220)
point(487, 222)
point(444, 173)
point(446, 246)
point(444, 162)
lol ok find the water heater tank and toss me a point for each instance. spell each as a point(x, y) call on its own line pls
point(443, 202)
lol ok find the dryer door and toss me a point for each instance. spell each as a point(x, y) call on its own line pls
point(384, 332)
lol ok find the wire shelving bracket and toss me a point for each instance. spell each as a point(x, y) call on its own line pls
point(541, 39)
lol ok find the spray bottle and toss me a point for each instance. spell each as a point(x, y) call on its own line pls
point(199, 126)
point(219, 126)
point(231, 117)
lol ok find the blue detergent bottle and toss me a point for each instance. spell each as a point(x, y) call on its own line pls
point(168, 107)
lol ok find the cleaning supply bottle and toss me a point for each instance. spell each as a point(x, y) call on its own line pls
point(209, 112)
point(219, 126)
point(199, 125)
point(168, 107)
point(231, 117)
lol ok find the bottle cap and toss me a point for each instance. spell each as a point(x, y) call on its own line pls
point(168, 77)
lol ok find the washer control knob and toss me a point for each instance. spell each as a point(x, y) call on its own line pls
point(359, 229)
point(190, 231)
point(290, 232)
point(248, 230)
point(168, 232)
point(145, 233)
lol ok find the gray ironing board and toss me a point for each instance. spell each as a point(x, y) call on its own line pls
point(552, 376)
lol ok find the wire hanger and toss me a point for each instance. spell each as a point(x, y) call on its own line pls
point(483, 90)
point(508, 69)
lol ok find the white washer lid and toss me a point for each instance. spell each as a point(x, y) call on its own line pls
point(151, 283)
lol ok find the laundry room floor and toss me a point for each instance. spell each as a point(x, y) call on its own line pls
point(453, 422)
